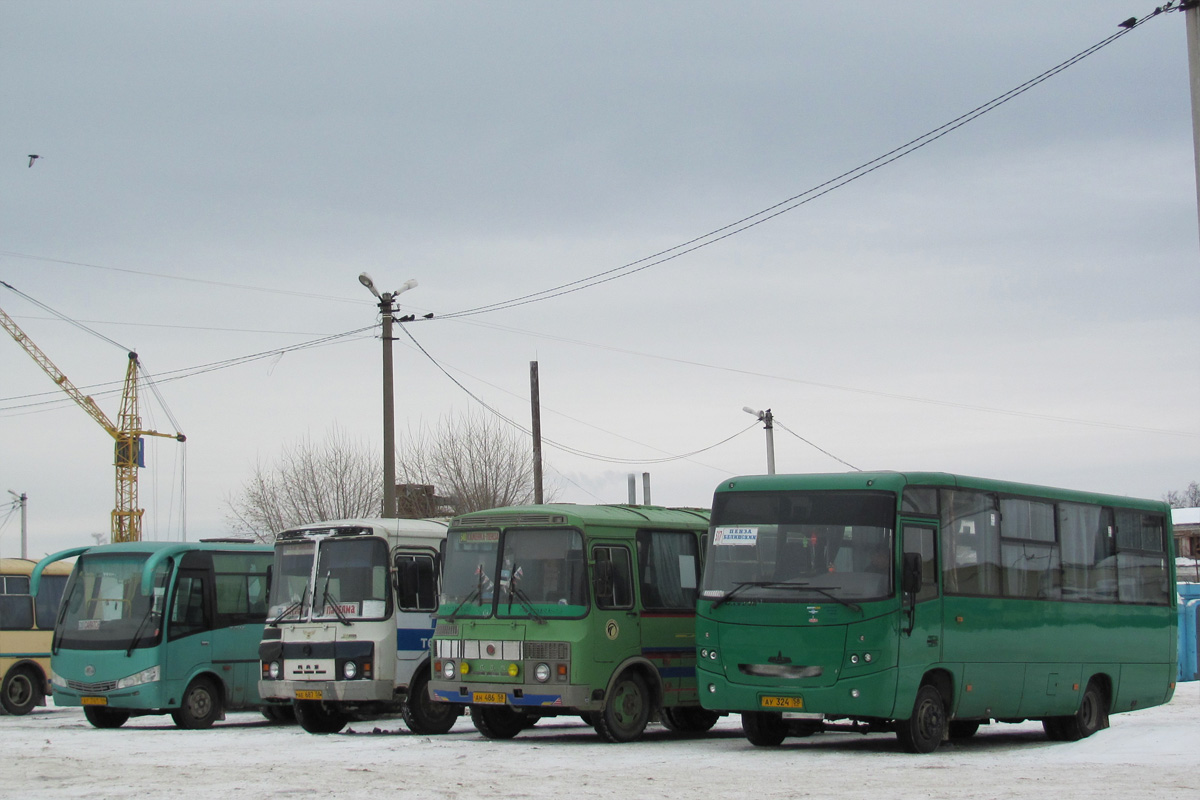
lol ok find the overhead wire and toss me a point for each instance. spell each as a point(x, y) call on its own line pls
point(795, 201)
point(775, 421)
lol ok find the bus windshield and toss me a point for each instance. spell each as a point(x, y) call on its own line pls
point(289, 583)
point(103, 606)
point(352, 580)
point(532, 573)
point(790, 547)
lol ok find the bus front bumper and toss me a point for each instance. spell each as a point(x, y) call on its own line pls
point(871, 696)
point(359, 691)
point(546, 696)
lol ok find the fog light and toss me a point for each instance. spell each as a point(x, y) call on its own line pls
point(542, 673)
point(513, 670)
point(855, 693)
point(712, 688)
point(854, 658)
point(867, 657)
point(448, 670)
point(712, 654)
point(350, 670)
point(273, 670)
point(464, 668)
point(704, 653)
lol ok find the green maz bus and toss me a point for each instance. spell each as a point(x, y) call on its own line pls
point(157, 628)
point(928, 604)
point(571, 609)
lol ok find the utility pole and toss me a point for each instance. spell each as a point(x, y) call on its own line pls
point(768, 422)
point(23, 499)
point(386, 307)
point(1191, 20)
point(535, 399)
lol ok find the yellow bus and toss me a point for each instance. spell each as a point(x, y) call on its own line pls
point(26, 627)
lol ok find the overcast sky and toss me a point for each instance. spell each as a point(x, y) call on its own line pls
point(1018, 299)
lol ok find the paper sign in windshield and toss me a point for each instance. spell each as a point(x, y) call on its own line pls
point(735, 536)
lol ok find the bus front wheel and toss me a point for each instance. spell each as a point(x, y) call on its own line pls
point(688, 719)
point(924, 730)
point(764, 728)
point(498, 722)
point(20, 692)
point(423, 714)
point(316, 717)
point(627, 711)
point(201, 706)
point(101, 717)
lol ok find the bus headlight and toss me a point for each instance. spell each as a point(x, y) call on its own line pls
point(350, 670)
point(145, 676)
point(58, 680)
point(448, 670)
point(542, 673)
point(274, 670)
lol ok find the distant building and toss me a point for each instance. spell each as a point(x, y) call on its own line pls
point(1187, 544)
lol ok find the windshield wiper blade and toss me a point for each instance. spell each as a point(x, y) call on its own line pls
point(785, 585)
point(515, 591)
point(293, 607)
point(137, 634)
point(328, 600)
point(476, 592)
point(737, 588)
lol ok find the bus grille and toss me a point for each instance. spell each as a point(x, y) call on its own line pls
point(550, 651)
point(80, 686)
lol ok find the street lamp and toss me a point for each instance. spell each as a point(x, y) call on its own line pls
point(386, 307)
point(767, 420)
point(22, 500)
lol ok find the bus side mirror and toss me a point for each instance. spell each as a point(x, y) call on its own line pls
point(912, 578)
point(604, 578)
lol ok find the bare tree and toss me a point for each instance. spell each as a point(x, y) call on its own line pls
point(1188, 498)
point(473, 461)
point(310, 482)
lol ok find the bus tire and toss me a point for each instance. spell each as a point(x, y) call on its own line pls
point(200, 707)
point(963, 728)
point(689, 719)
point(924, 730)
point(316, 717)
point(279, 713)
point(21, 691)
point(101, 717)
point(498, 722)
point(626, 711)
point(423, 714)
point(764, 728)
point(1091, 717)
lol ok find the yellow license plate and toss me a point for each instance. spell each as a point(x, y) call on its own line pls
point(782, 702)
point(94, 701)
point(308, 694)
point(488, 697)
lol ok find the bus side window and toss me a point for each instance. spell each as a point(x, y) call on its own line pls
point(16, 606)
point(669, 563)
point(416, 582)
point(923, 541)
point(614, 577)
point(188, 613)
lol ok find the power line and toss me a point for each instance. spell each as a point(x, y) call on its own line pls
point(794, 202)
point(777, 423)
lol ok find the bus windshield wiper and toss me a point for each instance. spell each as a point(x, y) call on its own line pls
point(329, 602)
point(137, 634)
point(786, 585)
point(474, 593)
point(293, 607)
point(522, 598)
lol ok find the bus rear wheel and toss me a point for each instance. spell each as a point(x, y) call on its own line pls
point(627, 711)
point(201, 706)
point(20, 692)
point(101, 717)
point(688, 719)
point(423, 714)
point(498, 722)
point(1091, 717)
point(764, 728)
point(316, 717)
point(924, 730)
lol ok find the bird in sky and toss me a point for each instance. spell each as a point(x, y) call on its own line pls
point(32, 158)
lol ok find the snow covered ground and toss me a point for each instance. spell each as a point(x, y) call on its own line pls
point(54, 753)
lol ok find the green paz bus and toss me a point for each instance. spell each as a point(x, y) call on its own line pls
point(571, 609)
point(928, 604)
point(158, 628)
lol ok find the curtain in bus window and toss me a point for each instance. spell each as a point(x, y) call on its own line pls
point(1089, 568)
point(970, 542)
point(668, 562)
point(418, 591)
point(1142, 575)
point(1028, 552)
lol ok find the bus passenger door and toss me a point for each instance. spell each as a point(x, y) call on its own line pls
point(615, 625)
point(189, 628)
point(920, 616)
point(417, 588)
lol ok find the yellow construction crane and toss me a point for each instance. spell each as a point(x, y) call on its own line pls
point(126, 516)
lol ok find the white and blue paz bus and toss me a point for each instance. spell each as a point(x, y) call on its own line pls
point(350, 617)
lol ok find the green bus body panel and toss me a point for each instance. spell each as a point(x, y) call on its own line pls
point(1005, 658)
point(228, 655)
point(602, 643)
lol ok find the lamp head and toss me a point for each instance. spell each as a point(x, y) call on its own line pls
point(366, 281)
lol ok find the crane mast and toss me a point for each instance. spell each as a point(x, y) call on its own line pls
point(126, 523)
